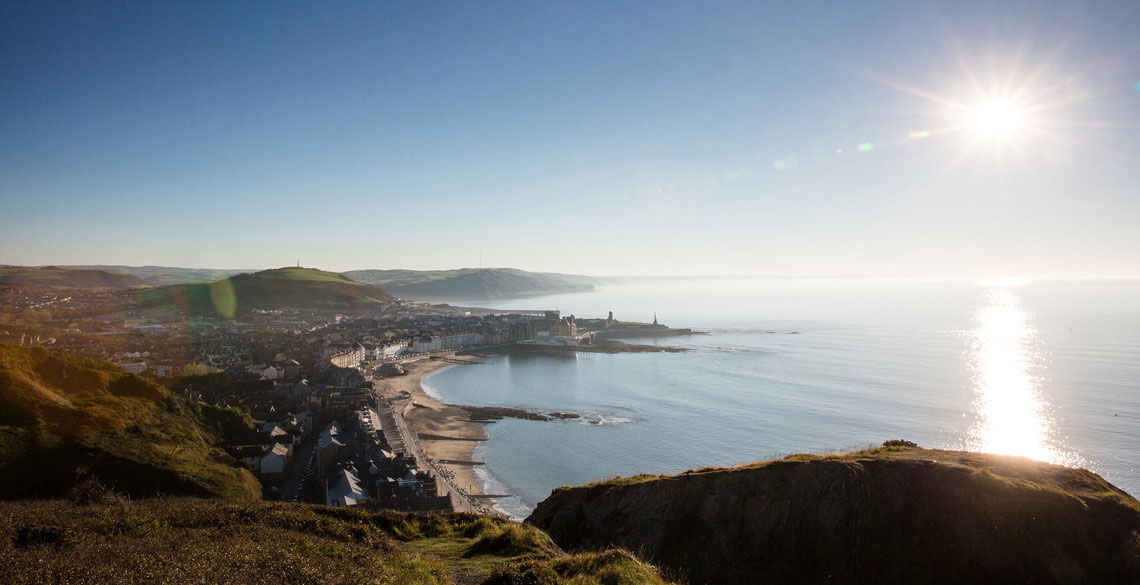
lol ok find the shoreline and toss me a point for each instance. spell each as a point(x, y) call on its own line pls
point(454, 435)
point(449, 435)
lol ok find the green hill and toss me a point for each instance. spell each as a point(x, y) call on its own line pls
point(67, 420)
point(302, 288)
point(472, 284)
point(896, 514)
point(56, 277)
point(181, 541)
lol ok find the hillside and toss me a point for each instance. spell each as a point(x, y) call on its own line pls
point(57, 277)
point(302, 288)
point(889, 515)
point(472, 284)
point(165, 275)
point(66, 421)
point(203, 541)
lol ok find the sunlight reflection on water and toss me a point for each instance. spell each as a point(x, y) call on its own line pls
point(1012, 416)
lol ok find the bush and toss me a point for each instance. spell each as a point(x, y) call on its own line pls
point(29, 536)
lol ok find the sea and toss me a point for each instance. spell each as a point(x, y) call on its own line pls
point(1043, 369)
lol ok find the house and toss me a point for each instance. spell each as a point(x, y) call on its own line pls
point(345, 489)
point(274, 460)
point(251, 454)
point(305, 419)
point(329, 444)
point(266, 460)
point(276, 433)
point(292, 370)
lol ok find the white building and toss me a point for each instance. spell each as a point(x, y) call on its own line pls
point(425, 344)
point(391, 350)
point(134, 367)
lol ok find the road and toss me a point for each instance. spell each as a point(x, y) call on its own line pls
point(301, 454)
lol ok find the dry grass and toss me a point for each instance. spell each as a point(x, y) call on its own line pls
point(209, 541)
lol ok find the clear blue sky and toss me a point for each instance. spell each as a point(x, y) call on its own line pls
point(600, 138)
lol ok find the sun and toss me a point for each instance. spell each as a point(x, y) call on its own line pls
point(995, 119)
point(1001, 108)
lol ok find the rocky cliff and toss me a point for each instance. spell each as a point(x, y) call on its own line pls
point(889, 515)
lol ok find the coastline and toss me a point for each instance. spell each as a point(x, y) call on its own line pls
point(446, 433)
point(450, 435)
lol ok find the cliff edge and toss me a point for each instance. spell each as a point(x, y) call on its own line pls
point(896, 514)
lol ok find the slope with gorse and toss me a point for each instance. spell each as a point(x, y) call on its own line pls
point(66, 421)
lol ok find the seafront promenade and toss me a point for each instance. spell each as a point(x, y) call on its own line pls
point(461, 500)
point(441, 438)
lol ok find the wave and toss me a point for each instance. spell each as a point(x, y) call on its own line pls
point(512, 506)
point(731, 349)
point(601, 418)
point(429, 388)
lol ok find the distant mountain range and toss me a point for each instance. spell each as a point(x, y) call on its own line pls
point(65, 420)
point(463, 284)
point(307, 288)
point(473, 284)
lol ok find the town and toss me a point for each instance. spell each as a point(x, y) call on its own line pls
point(327, 427)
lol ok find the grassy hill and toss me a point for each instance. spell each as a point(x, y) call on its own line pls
point(306, 288)
point(896, 514)
point(57, 277)
point(66, 421)
point(472, 284)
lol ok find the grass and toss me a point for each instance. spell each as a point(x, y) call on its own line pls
point(208, 541)
point(613, 567)
point(1012, 471)
point(309, 274)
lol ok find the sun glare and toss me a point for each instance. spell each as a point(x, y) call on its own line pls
point(1001, 108)
point(1012, 416)
point(997, 119)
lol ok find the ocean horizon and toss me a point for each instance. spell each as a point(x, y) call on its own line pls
point(1046, 370)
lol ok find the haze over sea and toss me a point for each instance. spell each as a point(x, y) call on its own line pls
point(1048, 370)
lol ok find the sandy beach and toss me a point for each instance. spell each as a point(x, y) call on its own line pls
point(446, 432)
